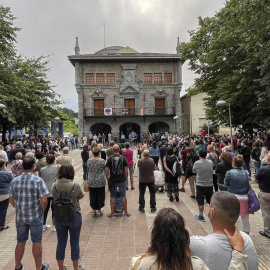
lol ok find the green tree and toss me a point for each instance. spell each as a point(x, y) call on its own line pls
point(25, 90)
point(230, 54)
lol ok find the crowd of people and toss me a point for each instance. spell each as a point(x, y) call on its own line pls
point(217, 171)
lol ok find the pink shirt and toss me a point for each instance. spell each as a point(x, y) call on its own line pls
point(128, 154)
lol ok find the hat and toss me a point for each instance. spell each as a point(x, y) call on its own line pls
point(18, 144)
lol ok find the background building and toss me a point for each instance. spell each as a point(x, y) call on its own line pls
point(121, 90)
point(193, 113)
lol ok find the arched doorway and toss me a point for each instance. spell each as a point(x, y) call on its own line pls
point(101, 128)
point(158, 127)
point(127, 128)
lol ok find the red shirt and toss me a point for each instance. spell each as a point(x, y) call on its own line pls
point(128, 154)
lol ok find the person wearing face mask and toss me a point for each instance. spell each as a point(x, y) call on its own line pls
point(223, 214)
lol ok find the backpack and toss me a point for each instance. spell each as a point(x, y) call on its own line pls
point(177, 169)
point(189, 166)
point(64, 207)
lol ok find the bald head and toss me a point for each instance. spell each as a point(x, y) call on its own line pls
point(116, 149)
point(226, 207)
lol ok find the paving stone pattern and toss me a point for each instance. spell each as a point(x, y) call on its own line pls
point(110, 244)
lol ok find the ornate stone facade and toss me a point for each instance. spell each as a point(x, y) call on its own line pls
point(115, 78)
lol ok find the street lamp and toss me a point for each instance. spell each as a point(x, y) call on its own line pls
point(224, 103)
point(174, 120)
point(2, 106)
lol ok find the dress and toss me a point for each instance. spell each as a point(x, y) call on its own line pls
point(170, 180)
point(97, 182)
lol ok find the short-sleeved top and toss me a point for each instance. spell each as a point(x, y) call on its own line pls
point(204, 170)
point(109, 152)
point(217, 246)
point(263, 176)
point(184, 159)
point(221, 170)
point(117, 164)
point(5, 180)
point(27, 189)
point(65, 186)
point(96, 173)
point(128, 154)
point(49, 174)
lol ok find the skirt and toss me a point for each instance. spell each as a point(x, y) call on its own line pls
point(243, 199)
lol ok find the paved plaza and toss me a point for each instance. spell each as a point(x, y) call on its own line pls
point(109, 244)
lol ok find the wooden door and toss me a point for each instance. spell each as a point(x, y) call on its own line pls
point(130, 106)
point(98, 107)
point(160, 106)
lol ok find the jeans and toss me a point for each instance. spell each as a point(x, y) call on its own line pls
point(152, 191)
point(257, 165)
point(74, 229)
point(3, 212)
point(246, 167)
point(84, 170)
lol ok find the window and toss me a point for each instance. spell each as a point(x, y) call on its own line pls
point(147, 78)
point(168, 78)
point(157, 78)
point(100, 78)
point(110, 78)
point(89, 78)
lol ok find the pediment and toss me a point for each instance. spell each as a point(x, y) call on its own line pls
point(160, 93)
point(98, 93)
point(129, 90)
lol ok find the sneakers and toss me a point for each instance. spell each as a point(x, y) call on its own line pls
point(171, 199)
point(54, 229)
point(200, 218)
point(45, 266)
point(132, 188)
point(126, 215)
point(182, 190)
point(153, 210)
point(46, 227)
point(111, 216)
point(141, 210)
point(192, 196)
point(177, 199)
point(21, 267)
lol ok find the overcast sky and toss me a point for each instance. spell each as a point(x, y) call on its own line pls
point(49, 27)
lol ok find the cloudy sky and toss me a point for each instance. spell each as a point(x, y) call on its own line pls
point(49, 27)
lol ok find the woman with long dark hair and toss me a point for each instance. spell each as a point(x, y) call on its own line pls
point(169, 248)
point(170, 179)
point(154, 153)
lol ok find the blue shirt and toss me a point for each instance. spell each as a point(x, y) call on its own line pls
point(237, 181)
point(27, 189)
point(5, 180)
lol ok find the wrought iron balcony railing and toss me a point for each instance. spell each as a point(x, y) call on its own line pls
point(149, 111)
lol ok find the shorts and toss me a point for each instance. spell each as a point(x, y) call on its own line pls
point(122, 189)
point(202, 192)
point(35, 229)
point(184, 170)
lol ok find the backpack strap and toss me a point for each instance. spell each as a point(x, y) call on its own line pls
point(71, 189)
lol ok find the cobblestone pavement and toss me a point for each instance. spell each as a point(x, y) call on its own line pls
point(110, 244)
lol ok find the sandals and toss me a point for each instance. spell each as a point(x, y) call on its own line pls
point(99, 214)
point(93, 214)
point(4, 228)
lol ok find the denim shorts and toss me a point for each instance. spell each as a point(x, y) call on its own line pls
point(122, 189)
point(35, 228)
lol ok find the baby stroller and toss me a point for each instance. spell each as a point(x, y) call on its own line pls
point(118, 203)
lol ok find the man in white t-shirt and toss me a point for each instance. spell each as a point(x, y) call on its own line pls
point(215, 249)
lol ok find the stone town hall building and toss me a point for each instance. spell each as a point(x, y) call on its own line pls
point(122, 90)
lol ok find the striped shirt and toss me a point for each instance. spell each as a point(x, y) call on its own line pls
point(27, 189)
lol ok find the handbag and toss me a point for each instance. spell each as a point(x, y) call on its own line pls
point(85, 186)
point(253, 202)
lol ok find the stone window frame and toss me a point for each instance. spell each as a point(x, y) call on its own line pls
point(100, 78)
point(87, 76)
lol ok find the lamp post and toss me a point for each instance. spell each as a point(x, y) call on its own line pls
point(174, 120)
point(224, 103)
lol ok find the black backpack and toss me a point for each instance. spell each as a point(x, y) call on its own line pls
point(189, 166)
point(64, 207)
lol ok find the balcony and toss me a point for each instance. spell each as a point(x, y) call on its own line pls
point(130, 112)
